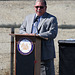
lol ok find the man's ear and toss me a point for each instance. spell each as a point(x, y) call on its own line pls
point(46, 7)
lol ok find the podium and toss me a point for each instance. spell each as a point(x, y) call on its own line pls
point(27, 54)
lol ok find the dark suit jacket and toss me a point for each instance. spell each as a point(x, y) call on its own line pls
point(47, 28)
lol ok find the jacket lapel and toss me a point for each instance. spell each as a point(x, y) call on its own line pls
point(42, 20)
point(31, 23)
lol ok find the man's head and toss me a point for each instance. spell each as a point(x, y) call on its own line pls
point(40, 7)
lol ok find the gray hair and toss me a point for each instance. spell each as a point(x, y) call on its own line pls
point(44, 1)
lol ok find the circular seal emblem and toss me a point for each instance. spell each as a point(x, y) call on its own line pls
point(25, 46)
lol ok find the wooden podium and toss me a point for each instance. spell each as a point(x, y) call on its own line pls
point(27, 54)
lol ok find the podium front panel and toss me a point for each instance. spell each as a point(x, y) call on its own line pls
point(24, 63)
point(28, 64)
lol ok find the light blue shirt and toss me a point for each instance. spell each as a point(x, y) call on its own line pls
point(35, 25)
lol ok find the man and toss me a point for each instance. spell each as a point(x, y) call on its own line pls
point(45, 27)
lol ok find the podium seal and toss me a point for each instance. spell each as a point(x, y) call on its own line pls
point(25, 46)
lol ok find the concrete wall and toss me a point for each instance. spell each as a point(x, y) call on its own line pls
point(12, 13)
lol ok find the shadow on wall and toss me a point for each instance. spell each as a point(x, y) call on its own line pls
point(66, 26)
point(18, 26)
point(10, 26)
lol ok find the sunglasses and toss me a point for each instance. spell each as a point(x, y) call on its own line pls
point(41, 7)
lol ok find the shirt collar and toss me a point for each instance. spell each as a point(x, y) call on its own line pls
point(36, 16)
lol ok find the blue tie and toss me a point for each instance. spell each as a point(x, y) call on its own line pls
point(35, 25)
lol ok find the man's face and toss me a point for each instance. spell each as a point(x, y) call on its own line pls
point(40, 8)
